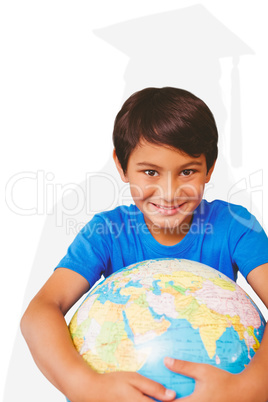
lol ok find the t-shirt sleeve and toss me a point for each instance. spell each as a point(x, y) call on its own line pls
point(249, 242)
point(88, 254)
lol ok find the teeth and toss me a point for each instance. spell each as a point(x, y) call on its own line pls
point(160, 206)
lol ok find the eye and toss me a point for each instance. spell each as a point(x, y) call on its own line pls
point(151, 173)
point(187, 172)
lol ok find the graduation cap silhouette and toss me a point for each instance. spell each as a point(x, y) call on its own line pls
point(182, 48)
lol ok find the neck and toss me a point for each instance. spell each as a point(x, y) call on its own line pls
point(169, 236)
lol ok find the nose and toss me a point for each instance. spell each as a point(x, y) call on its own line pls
point(169, 188)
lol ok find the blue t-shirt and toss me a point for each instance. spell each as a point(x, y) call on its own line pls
point(222, 235)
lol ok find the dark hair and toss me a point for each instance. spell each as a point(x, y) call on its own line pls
point(169, 116)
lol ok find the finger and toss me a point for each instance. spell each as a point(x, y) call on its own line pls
point(189, 369)
point(153, 388)
point(150, 399)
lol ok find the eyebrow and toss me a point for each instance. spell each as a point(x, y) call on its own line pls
point(152, 165)
point(148, 164)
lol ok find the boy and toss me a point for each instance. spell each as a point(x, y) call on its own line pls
point(165, 147)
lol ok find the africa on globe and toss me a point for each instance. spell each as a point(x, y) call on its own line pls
point(177, 308)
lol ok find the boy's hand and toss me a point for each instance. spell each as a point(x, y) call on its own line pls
point(122, 387)
point(213, 384)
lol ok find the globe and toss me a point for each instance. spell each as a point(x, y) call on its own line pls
point(167, 307)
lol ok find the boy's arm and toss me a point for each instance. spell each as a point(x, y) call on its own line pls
point(46, 333)
point(220, 386)
point(44, 328)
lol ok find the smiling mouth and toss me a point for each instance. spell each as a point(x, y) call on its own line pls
point(167, 209)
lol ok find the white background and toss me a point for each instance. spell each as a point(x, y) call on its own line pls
point(61, 87)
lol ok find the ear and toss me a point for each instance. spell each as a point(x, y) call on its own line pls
point(119, 168)
point(209, 173)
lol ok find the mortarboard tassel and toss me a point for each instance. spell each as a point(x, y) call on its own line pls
point(235, 129)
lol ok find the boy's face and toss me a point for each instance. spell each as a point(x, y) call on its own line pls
point(167, 186)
